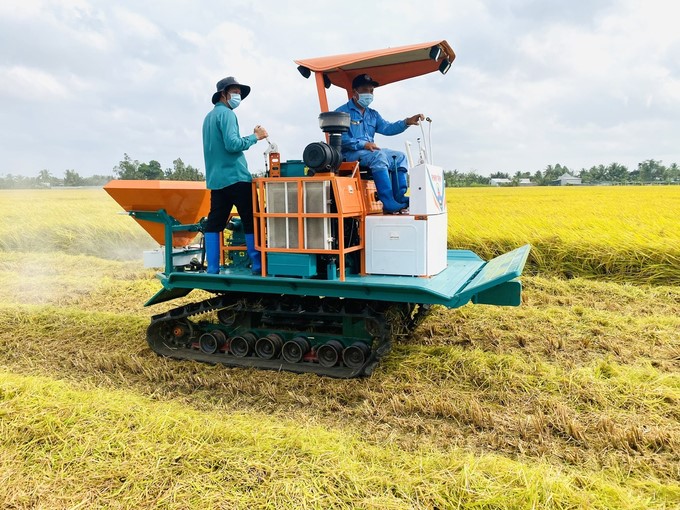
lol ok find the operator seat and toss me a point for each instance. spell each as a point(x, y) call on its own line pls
point(366, 172)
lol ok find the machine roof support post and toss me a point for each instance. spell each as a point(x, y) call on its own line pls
point(321, 89)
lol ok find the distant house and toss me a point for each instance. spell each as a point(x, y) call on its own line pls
point(499, 181)
point(567, 180)
point(526, 182)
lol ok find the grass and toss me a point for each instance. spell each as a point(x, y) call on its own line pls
point(67, 447)
point(76, 222)
point(569, 401)
point(617, 233)
point(478, 380)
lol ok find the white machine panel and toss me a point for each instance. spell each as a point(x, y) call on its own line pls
point(427, 195)
point(180, 256)
point(406, 246)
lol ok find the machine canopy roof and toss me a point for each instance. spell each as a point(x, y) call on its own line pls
point(384, 66)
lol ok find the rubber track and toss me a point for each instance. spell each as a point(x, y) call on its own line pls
point(247, 303)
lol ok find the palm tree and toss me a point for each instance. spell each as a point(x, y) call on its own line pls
point(44, 176)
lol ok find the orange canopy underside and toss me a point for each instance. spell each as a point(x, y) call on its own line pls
point(384, 66)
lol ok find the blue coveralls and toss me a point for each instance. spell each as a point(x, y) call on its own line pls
point(362, 129)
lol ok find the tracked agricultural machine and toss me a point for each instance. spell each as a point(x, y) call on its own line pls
point(340, 280)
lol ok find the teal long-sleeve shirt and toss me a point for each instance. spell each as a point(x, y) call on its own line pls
point(223, 146)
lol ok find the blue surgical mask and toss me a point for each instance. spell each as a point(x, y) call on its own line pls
point(234, 101)
point(364, 100)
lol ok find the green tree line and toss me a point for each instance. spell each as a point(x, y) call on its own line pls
point(133, 169)
point(648, 171)
point(45, 179)
point(127, 168)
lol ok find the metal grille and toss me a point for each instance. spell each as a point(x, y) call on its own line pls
point(282, 197)
point(317, 200)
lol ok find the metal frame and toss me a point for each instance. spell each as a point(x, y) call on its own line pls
point(171, 226)
point(261, 215)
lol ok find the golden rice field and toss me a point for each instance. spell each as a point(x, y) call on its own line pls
point(570, 401)
point(615, 233)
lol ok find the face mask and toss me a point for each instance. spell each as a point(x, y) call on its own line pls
point(364, 100)
point(234, 101)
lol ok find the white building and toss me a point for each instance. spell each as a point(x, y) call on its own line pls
point(567, 180)
point(498, 181)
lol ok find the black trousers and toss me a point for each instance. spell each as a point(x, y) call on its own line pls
point(223, 200)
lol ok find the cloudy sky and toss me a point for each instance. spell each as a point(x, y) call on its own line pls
point(535, 82)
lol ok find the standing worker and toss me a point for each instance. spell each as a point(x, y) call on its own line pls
point(358, 144)
point(226, 170)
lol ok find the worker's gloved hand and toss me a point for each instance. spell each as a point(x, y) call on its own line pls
point(413, 121)
point(370, 146)
point(260, 132)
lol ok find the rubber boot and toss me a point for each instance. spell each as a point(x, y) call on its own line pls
point(383, 185)
point(402, 187)
point(253, 254)
point(212, 251)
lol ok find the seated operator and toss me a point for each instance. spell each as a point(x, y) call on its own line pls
point(358, 144)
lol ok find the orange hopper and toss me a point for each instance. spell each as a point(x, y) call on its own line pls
point(186, 201)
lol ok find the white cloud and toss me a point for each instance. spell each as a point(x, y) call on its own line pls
point(21, 9)
point(135, 25)
point(31, 84)
point(140, 72)
point(534, 82)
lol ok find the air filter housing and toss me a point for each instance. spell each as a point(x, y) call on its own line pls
point(324, 157)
